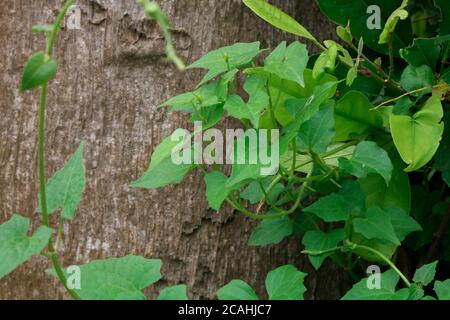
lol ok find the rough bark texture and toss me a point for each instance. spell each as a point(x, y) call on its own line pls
point(110, 81)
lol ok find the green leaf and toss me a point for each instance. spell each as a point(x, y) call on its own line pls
point(278, 18)
point(271, 231)
point(352, 74)
point(205, 96)
point(441, 158)
point(317, 133)
point(257, 102)
point(162, 170)
point(442, 289)
point(247, 164)
point(65, 187)
point(353, 116)
point(216, 191)
point(208, 116)
point(376, 225)
point(227, 59)
point(254, 193)
point(402, 223)
point(117, 278)
point(285, 283)
point(320, 241)
point(301, 110)
point(411, 293)
point(425, 274)
point(325, 62)
point(236, 290)
point(39, 70)
point(344, 34)
point(178, 292)
point(16, 246)
point(397, 193)
point(354, 12)
point(446, 177)
point(424, 51)
point(417, 137)
point(330, 208)
point(282, 90)
point(391, 23)
point(339, 206)
point(368, 158)
point(361, 291)
point(288, 62)
point(417, 77)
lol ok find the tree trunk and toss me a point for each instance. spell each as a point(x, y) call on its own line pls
point(110, 82)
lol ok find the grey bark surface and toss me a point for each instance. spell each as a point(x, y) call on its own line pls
point(110, 82)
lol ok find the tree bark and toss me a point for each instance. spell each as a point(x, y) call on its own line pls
point(110, 82)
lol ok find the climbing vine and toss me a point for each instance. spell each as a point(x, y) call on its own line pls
point(361, 150)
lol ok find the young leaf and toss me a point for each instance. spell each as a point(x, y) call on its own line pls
point(216, 191)
point(344, 34)
point(352, 74)
point(442, 289)
point(278, 18)
point(16, 246)
point(288, 62)
point(236, 290)
point(368, 158)
point(226, 59)
point(354, 117)
point(178, 292)
point(65, 187)
point(325, 62)
point(271, 231)
point(285, 283)
point(417, 77)
point(425, 274)
point(367, 23)
point(317, 133)
point(391, 23)
point(38, 70)
point(117, 278)
point(376, 225)
point(320, 241)
point(162, 170)
point(417, 137)
point(361, 291)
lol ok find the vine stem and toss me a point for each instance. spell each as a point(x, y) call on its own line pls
point(41, 156)
point(320, 252)
point(348, 245)
point(391, 57)
point(354, 246)
point(442, 85)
